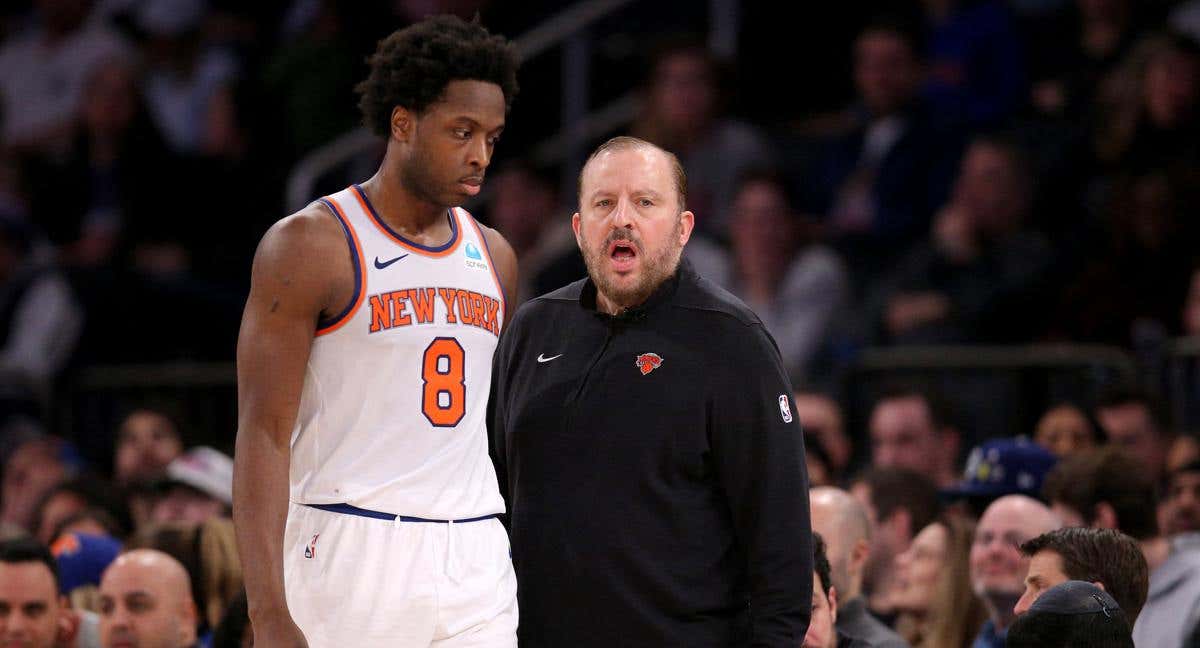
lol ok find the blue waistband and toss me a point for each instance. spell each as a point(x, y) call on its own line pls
point(378, 515)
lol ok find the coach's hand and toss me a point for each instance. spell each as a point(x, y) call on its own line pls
point(278, 632)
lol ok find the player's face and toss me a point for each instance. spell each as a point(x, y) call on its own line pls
point(29, 606)
point(629, 226)
point(453, 142)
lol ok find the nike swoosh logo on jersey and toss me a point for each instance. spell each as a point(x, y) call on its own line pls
point(542, 358)
point(383, 264)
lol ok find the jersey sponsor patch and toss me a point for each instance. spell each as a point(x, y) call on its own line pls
point(648, 362)
point(474, 257)
point(785, 410)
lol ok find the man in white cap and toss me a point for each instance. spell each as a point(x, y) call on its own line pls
point(198, 486)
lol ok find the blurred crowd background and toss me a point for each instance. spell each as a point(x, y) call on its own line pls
point(965, 222)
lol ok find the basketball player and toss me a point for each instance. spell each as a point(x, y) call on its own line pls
point(364, 499)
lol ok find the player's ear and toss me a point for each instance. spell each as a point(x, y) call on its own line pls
point(402, 123)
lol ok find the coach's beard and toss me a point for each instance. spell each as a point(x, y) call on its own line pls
point(655, 269)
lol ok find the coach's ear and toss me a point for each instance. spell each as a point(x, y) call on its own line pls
point(402, 123)
point(575, 228)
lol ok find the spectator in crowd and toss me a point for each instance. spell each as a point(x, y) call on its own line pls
point(899, 503)
point(795, 285)
point(821, 419)
point(681, 112)
point(982, 271)
point(1064, 430)
point(198, 486)
point(1136, 269)
point(1001, 467)
point(208, 552)
point(1106, 558)
point(82, 559)
point(877, 184)
point(310, 75)
point(112, 149)
point(70, 498)
point(146, 600)
point(933, 588)
point(39, 322)
point(185, 76)
point(822, 631)
point(997, 567)
point(32, 612)
point(1074, 613)
point(1135, 421)
point(843, 523)
point(148, 440)
point(1171, 611)
point(910, 428)
point(32, 469)
point(42, 72)
point(976, 71)
point(1148, 107)
point(525, 208)
point(1069, 70)
point(1105, 488)
point(1181, 505)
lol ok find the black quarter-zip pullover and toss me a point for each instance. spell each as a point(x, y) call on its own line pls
point(655, 473)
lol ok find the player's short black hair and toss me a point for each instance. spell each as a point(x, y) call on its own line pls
point(821, 563)
point(412, 66)
point(28, 550)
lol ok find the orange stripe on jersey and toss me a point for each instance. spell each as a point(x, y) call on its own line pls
point(436, 252)
point(491, 266)
point(360, 289)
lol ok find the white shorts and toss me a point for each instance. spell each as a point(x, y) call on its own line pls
point(360, 581)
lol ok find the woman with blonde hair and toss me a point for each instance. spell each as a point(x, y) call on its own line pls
point(937, 608)
point(209, 552)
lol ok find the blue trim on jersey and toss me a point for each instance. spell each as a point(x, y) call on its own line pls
point(492, 259)
point(361, 512)
point(355, 253)
point(441, 248)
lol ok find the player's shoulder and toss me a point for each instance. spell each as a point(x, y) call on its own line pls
point(309, 230)
point(295, 241)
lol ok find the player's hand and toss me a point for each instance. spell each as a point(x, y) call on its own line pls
point(278, 633)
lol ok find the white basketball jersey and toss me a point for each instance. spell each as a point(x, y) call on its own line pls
point(392, 417)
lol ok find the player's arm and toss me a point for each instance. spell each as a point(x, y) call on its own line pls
point(291, 284)
point(505, 259)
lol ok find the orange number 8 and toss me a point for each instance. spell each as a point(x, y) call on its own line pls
point(444, 353)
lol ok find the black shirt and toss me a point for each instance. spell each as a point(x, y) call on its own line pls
point(654, 490)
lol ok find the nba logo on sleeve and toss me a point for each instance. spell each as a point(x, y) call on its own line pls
point(785, 410)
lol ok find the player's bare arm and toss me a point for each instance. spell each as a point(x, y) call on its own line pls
point(301, 270)
point(505, 259)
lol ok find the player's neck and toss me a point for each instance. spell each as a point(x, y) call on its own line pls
point(400, 208)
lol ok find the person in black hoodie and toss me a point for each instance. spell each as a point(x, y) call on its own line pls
point(643, 422)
